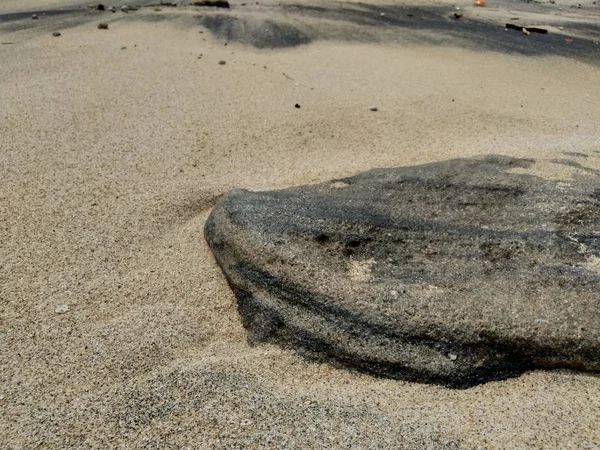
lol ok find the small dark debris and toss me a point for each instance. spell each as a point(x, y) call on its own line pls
point(297, 106)
point(222, 63)
point(213, 3)
point(103, 26)
point(457, 15)
point(56, 34)
point(321, 238)
point(35, 17)
point(100, 7)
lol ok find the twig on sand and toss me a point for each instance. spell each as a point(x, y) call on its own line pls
point(157, 5)
point(287, 76)
point(512, 26)
point(214, 3)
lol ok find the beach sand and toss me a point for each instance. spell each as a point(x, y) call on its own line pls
point(111, 160)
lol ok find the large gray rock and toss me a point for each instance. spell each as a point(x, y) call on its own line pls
point(456, 273)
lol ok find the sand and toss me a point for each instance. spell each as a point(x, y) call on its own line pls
point(111, 160)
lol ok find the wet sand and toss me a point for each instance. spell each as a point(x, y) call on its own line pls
point(112, 158)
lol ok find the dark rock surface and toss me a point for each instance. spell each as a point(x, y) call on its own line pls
point(455, 273)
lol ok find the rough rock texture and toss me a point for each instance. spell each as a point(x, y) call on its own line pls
point(456, 273)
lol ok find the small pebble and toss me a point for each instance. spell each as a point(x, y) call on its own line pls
point(457, 15)
point(123, 48)
point(124, 8)
point(382, 14)
point(112, 9)
point(561, 28)
point(61, 309)
point(297, 106)
point(34, 17)
point(56, 34)
point(103, 26)
point(452, 356)
point(373, 108)
point(222, 63)
point(100, 7)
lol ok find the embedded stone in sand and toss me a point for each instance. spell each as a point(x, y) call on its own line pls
point(455, 273)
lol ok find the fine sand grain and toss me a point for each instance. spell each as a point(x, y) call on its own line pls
point(114, 145)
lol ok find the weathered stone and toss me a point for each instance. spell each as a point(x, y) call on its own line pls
point(61, 309)
point(455, 273)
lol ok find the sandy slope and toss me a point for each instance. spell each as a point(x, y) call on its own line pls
point(111, 159)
